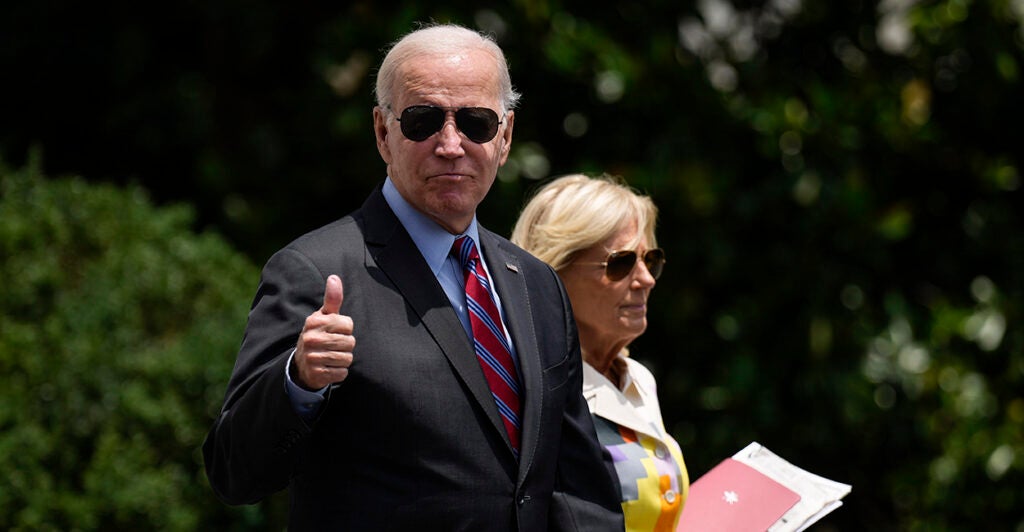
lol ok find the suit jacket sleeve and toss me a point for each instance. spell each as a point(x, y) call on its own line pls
point(586, 495)
point(253, 446)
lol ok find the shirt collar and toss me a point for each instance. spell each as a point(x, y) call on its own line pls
point(433, 241)
point(628, 386)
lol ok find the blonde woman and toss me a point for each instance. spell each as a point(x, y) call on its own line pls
point(598, 234)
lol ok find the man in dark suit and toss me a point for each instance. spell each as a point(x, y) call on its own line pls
point(365, 383)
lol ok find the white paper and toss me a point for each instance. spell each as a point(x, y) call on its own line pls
point(818, 495)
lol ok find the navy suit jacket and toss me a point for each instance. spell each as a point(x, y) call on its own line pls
point(412, 438)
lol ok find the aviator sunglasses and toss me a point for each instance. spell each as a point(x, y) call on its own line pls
point(419, 122)
point(620, 263)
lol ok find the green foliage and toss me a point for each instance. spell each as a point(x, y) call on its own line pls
point(118, 328)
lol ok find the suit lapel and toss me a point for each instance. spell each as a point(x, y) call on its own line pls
point(394, 253)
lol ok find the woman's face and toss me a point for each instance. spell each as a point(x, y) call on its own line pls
point(609, 314)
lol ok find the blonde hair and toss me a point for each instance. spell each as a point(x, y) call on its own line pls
point(436, 39)
point(574, 212)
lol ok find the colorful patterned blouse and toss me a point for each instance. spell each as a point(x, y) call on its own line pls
point(649, 462)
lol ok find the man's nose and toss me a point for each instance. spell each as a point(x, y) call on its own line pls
point(449, 140)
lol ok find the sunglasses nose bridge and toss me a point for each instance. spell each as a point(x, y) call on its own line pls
point(621, 264)
point(448, 141)
point(649, 271)
point(641, 261)
point(653, 261)
point(447, 134)
point(646, 269)
point(449, 120)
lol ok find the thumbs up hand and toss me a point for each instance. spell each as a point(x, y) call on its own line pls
point(324, 351)
point(334, 294)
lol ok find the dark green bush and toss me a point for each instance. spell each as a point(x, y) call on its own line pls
point(118, 328)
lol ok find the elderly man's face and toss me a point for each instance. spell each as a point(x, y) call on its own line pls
point(446, 175)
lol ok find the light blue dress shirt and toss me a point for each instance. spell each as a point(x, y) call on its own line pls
point(435, 244)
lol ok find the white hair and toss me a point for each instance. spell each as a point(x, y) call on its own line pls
point(439, 39)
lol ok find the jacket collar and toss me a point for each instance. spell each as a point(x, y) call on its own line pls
point(607, 401)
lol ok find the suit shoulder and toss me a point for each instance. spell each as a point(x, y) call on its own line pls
point(326, 234)
point(329, 240)
point(524, 257)
point(320, 249)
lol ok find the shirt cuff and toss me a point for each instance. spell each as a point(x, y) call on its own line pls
point(305, 402)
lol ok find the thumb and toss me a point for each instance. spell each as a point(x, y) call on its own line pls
point(334, 293)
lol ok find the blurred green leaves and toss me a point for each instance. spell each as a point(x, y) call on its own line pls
point(118, 328)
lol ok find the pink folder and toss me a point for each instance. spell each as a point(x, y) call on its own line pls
point(734, 497)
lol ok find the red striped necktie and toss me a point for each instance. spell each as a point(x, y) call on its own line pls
point(489, 340)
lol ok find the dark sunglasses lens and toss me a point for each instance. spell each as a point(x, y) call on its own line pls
point(479, 124)
point(655, 261)
point(421, 121)
point(620, 264)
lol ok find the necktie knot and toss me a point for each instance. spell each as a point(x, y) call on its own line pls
point(465, 249)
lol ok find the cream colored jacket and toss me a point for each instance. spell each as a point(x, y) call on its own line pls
point(649, 463)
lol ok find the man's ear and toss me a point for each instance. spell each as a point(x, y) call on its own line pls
point(380, 131)
point(506, 136)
